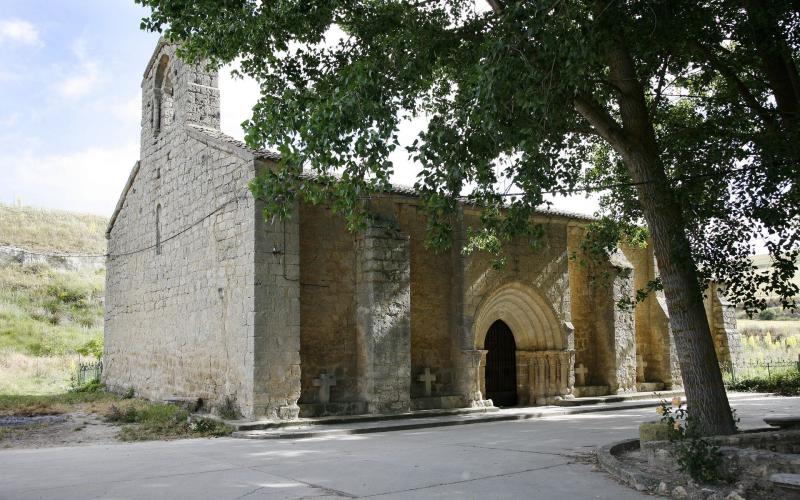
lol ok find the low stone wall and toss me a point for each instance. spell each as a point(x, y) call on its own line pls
point(15, 255)
point(750, 457)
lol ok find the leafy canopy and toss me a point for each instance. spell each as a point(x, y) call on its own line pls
point(498, 91)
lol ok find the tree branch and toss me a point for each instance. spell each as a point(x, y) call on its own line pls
point(662, 72)
point(601, 121)
point(495, 5)
point(732, 78)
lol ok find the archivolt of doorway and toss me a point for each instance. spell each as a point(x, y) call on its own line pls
point(544, 364)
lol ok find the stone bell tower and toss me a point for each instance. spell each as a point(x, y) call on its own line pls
point(174, 94)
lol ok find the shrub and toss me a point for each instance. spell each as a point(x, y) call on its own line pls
point(162, 421)
point(228, 409)
point(766, 315)
point(693, 454)
point(92, 348)
point(90, 386)
point(783, 384)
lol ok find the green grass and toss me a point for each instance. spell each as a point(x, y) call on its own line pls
point(140, 420)
point(52, 230)
point(48, 312)
point(160, 421)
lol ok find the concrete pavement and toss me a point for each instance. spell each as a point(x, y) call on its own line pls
point(543, 458)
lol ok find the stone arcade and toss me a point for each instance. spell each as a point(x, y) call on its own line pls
point(301, 317)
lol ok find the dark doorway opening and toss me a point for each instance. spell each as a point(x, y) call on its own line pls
point(501, 365)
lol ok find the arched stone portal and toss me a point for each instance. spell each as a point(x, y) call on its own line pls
point(544, 364)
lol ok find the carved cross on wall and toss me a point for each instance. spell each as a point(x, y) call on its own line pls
point(580, 374)
point(427, 378)
point(325, 382)
point(641, 364)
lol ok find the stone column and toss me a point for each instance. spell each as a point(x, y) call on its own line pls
point(471, 380)
point(523, 377)
point(383, 293)
point(567, 379)
point(540, 371)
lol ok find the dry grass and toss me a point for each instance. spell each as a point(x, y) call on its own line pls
point(35, 375)
point(55, 404)
point(776, 329)
point(52, 230)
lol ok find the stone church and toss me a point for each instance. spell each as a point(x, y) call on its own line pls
point(300, 317)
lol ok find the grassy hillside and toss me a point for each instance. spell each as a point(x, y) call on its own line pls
point(52, 230)
point(47, 314)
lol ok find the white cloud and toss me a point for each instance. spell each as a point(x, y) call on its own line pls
point(130, 110)
point(86, 76)
point(89, 180)
point(80, 84)
point(17, 30)
point(8, 121)
point(237, 96)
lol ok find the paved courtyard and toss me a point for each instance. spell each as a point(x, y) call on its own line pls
point(541, 458)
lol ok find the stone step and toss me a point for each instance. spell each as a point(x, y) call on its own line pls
point(350, 419)
point(789, 483)
point(618, 398)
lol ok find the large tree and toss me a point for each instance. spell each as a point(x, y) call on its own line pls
point(685, 112)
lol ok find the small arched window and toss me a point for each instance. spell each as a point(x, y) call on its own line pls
point(162, 107)
point(158, 229)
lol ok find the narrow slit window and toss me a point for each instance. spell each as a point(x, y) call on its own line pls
point(158, 230)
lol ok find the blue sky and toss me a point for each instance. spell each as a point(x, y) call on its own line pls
point(70, 72)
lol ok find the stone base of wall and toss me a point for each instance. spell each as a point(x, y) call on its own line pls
point(590, 391)
point(649, 386)
point(438, 402)
point(313, 410)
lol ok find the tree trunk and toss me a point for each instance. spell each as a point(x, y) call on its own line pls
point(705, 391)
point(635, 141)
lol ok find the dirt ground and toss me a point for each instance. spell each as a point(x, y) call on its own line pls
point(78, 427)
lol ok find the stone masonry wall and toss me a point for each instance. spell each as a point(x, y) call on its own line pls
point(431, 331)
point(179, 314)
point(327, 305)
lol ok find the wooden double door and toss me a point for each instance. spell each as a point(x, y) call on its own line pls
point(501, 365)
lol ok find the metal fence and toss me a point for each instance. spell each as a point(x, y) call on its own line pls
point(88, 372)
point(766, 369)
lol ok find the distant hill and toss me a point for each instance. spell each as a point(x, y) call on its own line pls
point(764, 261)
point(45, 230)
point(48, 311)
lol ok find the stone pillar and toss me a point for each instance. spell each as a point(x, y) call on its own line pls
point(622, 327)
point(276, 324)
point(567, 378)
point(383, 293)
point(672, 376)
point(471, 381)
point(722, 323)
point(540, 371)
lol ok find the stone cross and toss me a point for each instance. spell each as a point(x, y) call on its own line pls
point(641, 364)
point(580, 373)
point(427, 377)
point(325, 382)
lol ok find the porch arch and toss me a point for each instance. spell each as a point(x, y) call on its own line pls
point(529, 315)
